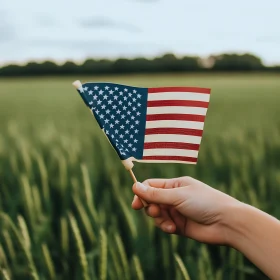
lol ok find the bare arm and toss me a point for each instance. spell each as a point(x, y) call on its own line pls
point(257, 235)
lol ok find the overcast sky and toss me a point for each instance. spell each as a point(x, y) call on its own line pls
point(74, 30)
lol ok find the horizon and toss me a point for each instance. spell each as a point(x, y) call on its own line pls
point(137, 28)
point(80, 62)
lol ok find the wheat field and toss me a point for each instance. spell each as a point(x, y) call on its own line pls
point(65, 197)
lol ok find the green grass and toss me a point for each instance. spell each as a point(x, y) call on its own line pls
point(65, 196)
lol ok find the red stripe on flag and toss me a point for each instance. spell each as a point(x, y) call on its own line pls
point(183, 103)
point(173, 130)
point(179, 89)
point(171, 145)
point(171, 158)
point(178, 117)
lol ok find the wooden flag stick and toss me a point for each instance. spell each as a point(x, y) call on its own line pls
point(133, 176)
point(135, 181)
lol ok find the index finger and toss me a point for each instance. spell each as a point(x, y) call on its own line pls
point(167, 183)
point(161, 183)
point(156, 183)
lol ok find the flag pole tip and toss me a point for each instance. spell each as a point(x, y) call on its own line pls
point(128, 164)
point(77, 84)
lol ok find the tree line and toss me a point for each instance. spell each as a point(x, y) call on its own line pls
point(165, 63)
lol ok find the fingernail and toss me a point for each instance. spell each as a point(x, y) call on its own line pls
point(169, 228)
point(141, 187)
point(134, 198)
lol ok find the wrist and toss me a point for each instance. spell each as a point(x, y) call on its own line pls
point(234, 222)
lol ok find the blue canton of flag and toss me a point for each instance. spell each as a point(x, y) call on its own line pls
point(120, 111)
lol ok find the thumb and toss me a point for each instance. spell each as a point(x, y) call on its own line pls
point(157, 195)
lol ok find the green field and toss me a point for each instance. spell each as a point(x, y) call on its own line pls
point(65, 196)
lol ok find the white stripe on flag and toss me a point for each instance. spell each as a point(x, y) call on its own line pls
point(179, 96)
point(175, 124)
point(172, 138)
point(170, 152)
point(165, 161)
point(176, 110)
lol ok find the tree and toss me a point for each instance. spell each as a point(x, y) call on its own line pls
point(235, 62)
point(68, 67)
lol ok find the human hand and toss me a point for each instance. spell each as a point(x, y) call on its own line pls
point(187, 207)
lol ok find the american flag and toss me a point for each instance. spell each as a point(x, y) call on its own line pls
point(163, 124)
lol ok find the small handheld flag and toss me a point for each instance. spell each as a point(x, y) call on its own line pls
point(163, 124)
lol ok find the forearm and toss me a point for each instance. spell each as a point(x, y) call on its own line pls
point(257, 235)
